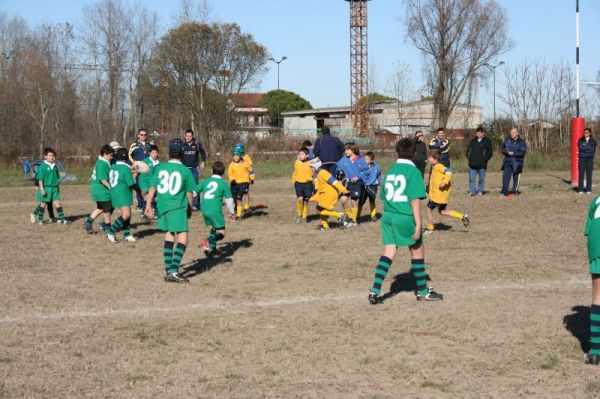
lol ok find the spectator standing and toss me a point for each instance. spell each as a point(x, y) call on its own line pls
point(514, 150)
point(139, 151)
point(193, 157)
point(479, 152)
point(587, 150)
point(420, 159)
point(329, 150)
point(441, 144)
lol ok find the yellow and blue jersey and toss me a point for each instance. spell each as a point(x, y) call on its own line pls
point(302, 172)
point(239, 172)
point(440, 175)
point(328, 190)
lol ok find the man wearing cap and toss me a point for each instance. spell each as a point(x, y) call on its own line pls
point(193, 156)
point(420, 159)
point(329, 150)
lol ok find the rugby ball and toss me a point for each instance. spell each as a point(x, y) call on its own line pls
point(141, 167)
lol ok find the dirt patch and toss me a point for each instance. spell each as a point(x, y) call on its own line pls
point(284, 311)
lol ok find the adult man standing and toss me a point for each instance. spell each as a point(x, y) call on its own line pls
point(479, 153)
point(138, 151)
point(514, 150)
point(329, 150)
point(441, 144)
point(193, 156)
point(420, 159)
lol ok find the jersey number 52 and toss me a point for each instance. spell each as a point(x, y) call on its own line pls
point(394, 188)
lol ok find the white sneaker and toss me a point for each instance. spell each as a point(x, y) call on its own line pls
point(589, 192)
point(32, 218)
point(129, 238)
point(111, 238)
point(580, 192)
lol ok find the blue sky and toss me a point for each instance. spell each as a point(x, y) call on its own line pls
point(314, 35)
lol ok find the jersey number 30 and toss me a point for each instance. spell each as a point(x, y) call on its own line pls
point(169, 182)
point(394, 188)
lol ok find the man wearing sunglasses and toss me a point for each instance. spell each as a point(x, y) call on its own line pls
point(139, 151)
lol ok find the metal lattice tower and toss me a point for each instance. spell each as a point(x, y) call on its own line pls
point(359, 68)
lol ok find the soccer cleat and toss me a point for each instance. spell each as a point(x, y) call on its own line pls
point(466, 220)
point(204, 245)
point(374, 299)
point(591, 359)
point(426, 232)
point(64, 221)
point(175, 277)
point(480, 193)
point(510, 196)
point(430, 296)
point(343, 219)
point(374, 219)
point(89, 228)
point(32, 218)
point(472, 194)
point(111, 238)
point(321, 228)
point(130, 238)
point(351, 224)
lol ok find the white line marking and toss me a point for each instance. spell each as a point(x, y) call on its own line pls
point(262, 303)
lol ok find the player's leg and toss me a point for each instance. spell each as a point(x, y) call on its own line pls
point(92, 216)
point(50, 208)
point(345, 201)
point(127, 225)
point(506, 175)
point(180, 247)
point(299, 208)
point(429, 210)
point(107, 211)
point(381, 270)
point(417, 269)
point(61, 213)
point(593, 356)
point(589, 168)
point(305, 209)
point(38, 212)
point(481, 183)
point(168, 247)
point(472, 174)
point(116, 226)
point(464, 218)
point(354, 205)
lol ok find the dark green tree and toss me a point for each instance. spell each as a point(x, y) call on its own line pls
point(278, 101)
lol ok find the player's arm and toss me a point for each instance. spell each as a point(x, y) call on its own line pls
point(445, 180)
point(40, 180)
point(337, 184)
point(416, 208)
point(149, 212)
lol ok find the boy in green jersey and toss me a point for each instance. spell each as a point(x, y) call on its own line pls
point(100, 190)
point(173, 185)
point(48, 191)
point(401, 222)
point(592, 232)
point(215, 190)
point(144, 179)
point(121, 184)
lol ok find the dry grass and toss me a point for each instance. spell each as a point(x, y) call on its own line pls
point(285, 313)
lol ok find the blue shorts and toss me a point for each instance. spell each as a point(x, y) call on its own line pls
point(370, 193)
point(239, 189)
point(356, 190)
point(435, 205)
point(304, 190)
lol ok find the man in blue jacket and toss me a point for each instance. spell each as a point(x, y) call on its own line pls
point(328, 149)
point(587, 150)
point(139, 151)
point(514, 150)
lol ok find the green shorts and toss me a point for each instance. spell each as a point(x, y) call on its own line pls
point(595, 266)
point(52, 194)
point(397, 229)
point(121, 201)
point(215, 220)
point(175, 221)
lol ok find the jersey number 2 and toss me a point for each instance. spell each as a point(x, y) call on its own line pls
point(212, 187)
point(170, 183)
point(394, 188)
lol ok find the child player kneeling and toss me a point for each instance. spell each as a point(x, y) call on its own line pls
point(592, 232)
point(440, 185)
point(328, 192)
point(401, 223)
point(215, 191)
point(173, 185)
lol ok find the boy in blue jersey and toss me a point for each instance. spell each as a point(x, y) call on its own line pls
point(354, 168)
point(372, 183)
point(401, 223)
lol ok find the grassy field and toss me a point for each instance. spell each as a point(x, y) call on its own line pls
point(284, 312)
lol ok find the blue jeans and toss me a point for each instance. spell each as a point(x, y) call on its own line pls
point(586, 166)
point(473, 173)
point(196, 200)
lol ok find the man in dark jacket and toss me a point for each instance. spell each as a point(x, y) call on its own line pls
point(587, 150)
point(329, 150)
point(139, 151)
point(479, 153)
point(193, 156)
point(514, 150)
point(420, 159)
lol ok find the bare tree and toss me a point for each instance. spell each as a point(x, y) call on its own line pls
point(399, 86)
point(456, 37)
point(193, 11)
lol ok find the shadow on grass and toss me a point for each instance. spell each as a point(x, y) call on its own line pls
point(147, 232)
point(74, 218)
point(403, 282)
point(202, 265)
point(566, 181)
point(367, 218)
point(578, 324)
point(441, 227)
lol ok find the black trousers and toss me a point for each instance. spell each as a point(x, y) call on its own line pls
point(586, 166)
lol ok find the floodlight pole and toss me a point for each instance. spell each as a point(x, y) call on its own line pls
point(493, 68)
point(278, 62)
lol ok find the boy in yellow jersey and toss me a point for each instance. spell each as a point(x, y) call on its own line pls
point(440, 185)
point(248, 160)
point(239, 172)
point(303, 184)
point(328, 192)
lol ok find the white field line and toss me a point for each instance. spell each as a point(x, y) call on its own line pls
point(141, 311)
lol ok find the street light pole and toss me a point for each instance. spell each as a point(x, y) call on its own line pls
point(278, 62)
point(493, 67)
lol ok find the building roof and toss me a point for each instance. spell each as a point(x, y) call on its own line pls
point(247, 100)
